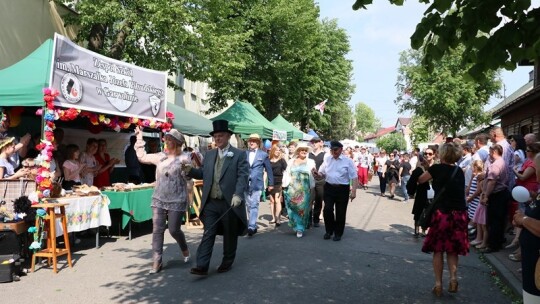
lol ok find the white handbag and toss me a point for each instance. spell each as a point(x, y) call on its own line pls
point(286, 179)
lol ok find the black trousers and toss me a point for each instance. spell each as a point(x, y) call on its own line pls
point(338, 196)
point(382, 182)
point(229, 224)
point(318, 200)
point(496, 215)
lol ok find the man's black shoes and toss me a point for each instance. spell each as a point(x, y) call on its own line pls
point(251, 232)
point(198, 271)
point(327, 236)
point(337, 238)
point(224, 268)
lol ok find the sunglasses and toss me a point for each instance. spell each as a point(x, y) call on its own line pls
point(428, 153)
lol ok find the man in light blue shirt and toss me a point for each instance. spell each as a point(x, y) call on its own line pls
point(341, 184)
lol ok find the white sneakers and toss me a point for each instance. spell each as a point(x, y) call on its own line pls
point(299, 234)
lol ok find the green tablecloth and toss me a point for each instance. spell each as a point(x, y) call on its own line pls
point(135, 204)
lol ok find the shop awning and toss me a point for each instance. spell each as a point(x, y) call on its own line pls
point(292, 131)
point(22, 83)
point(190, 123)
point(244, 120)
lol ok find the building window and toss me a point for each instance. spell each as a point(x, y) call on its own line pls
point(526, 129)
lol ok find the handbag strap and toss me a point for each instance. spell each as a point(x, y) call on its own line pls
point(444, 187)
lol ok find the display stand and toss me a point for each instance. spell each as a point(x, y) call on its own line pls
point(51, 251)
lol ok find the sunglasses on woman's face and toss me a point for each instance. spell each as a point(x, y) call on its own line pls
point(428, 153)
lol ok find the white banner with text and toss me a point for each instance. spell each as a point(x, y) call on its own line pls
point(92, 82)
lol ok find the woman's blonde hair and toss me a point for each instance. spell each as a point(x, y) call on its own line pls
point(450, 153)
point(274, 149)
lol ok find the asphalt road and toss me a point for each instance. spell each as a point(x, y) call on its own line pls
point(377, 261)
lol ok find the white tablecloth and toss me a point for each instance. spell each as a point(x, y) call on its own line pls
point(84, 213)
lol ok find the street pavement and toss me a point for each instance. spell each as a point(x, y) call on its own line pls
point(377, 261)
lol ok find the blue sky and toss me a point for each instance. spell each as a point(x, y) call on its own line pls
point(377, 36)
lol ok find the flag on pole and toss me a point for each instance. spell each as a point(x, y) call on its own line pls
point(320, 106)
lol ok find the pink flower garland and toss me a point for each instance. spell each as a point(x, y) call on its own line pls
point(50, 114)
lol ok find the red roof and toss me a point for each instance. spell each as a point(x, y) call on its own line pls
point(380, 132)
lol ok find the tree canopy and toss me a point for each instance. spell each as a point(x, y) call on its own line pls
point(495, 34)
point(275, 54)
point(366, 122)
point(445, 98)
point(391, 142)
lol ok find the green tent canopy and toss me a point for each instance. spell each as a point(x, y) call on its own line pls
point(188, 122)
point(292, 131)
point(244, 120)
point(22, 83)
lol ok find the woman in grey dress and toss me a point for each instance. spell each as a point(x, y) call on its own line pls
point(169, 201)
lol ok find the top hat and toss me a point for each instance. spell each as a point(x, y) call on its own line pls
point(220, 125)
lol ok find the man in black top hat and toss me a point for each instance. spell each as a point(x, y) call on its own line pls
point(341, 184)
point(224, 172)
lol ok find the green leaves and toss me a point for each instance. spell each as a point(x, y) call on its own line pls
point(361, 4)
point(366, 122)
point(445, 97)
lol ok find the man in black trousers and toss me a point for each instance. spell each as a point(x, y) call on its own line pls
point(341, 183)
point(318, 193)
point(224, 172)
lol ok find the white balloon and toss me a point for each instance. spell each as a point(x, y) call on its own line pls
point(520, 194)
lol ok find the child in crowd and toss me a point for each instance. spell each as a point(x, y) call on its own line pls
point(477, 211)
point(72, 167)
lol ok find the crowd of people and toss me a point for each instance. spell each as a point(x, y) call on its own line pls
point(469, 181)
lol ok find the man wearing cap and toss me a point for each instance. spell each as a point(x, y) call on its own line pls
point(317, 198)
point(258, 163)
point(341, 184)
point(224, 172)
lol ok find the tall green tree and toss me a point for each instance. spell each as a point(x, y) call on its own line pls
point(366, 122)
point(340, 124)
point(391, 142)
point(275, 54)
point(421, 131)
point(444, 96)
point(169, 35)
point(496, 33)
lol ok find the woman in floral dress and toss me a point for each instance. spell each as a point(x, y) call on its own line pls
point(297, 195)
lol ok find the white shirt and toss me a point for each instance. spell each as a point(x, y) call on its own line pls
point(413, 161)
point(338, 171)
point(365, 159)
point(223, 152)
point(381, 161)
point(252, 154)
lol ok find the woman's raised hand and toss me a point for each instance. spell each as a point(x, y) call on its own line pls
point(138, 132)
